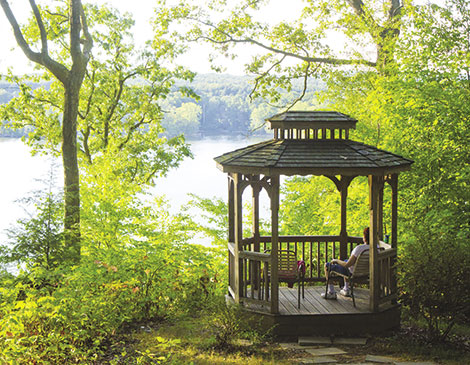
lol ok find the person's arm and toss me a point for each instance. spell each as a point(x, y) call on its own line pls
point(351, 261)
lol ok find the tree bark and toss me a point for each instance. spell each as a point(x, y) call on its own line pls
point(70, 163)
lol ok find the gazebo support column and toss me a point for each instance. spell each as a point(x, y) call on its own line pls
point(342, 186)
point(343, 246)
point(256, 189)
point(232, 257)
point(393, 181)
point(393, 230)
point(238, 229)
point(374, 188)
point(380, 208)
point(275, 244)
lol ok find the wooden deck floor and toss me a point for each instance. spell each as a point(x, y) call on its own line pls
point(320, 316)
point(314, 304)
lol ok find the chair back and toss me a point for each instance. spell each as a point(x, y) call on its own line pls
point(361, 268)
point(287, 264)
point(287, 267)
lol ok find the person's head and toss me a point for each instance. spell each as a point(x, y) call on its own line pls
point(366, 235)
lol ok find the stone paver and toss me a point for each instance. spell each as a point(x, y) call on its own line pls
point(306, 341)
point(325, 351)
point(319, 360)
point(414, 363)
point(381, 359)
point(294, 346)
point(350, 340)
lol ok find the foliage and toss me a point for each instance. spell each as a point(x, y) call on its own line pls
point(311, 206)
point(215, 214)
point(70, 314)
point(289, 49)
point(432, 279)
point(39, 241)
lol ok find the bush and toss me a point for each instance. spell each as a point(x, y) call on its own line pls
point(70, 314)
point(434, 281)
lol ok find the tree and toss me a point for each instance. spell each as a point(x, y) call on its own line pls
point(297, 49)
point(183, 119)
point(70, 75)
point(120, 143)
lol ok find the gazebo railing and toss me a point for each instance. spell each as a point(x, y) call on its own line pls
point(313, 250)
point(254, 265)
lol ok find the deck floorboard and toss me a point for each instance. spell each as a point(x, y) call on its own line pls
point(314, 304)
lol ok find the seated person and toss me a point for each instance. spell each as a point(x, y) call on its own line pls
point(345, 267)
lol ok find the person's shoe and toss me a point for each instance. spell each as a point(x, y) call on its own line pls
point(328, 295)
point(345, 292)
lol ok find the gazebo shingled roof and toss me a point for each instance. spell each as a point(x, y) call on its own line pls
point(311, 157)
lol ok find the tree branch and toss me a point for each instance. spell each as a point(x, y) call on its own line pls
point(40, 24)
point(75, 30)
point(41, 58)
point(88, 42)
point(358, 7)
point(304, 90)
point(90, 97)
point(324, 60)
point(258, 79)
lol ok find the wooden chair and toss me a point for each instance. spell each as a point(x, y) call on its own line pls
point(289, 271)
point(361, 274)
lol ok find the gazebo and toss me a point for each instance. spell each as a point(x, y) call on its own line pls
point(311, 143)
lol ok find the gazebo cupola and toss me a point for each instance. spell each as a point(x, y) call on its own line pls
point(308, 143)
point(308, 125)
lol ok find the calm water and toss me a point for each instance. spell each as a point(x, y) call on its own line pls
point(199, 176)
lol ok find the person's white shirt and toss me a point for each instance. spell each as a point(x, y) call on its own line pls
point(356, 252)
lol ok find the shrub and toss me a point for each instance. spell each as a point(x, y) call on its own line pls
point(434, 280)
point(70, 314)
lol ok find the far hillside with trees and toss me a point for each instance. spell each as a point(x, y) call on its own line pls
point(220, 105)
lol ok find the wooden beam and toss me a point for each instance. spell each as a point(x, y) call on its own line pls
point(256, 267)
point(256, 189)
point(344, 185)
point(231, 209)
point(394, 226)
point(238, 229)
point(380, 210)
point(374, 183)
point(274, 244)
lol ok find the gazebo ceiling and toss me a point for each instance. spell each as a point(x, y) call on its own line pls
point(312, 157)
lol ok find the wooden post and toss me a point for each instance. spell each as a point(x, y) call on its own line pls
point(374, 183)
point(343, 188)
point(275, 243)
point(256, 189)
point(231, 233)
point(380, 209)
point(394, 223)
point(231, 209)
point(393, 230)
point(238, 228)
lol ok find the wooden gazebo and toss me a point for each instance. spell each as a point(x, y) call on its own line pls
point(311, 143)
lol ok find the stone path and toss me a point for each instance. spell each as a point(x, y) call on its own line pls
point(322, 350)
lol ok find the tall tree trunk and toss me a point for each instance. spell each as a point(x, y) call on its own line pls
point(70, 162)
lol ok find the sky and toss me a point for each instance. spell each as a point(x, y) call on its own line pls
point(142, 11)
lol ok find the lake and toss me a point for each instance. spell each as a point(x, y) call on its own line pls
point(199, 176)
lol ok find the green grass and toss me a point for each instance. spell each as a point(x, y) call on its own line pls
point(192, 340)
